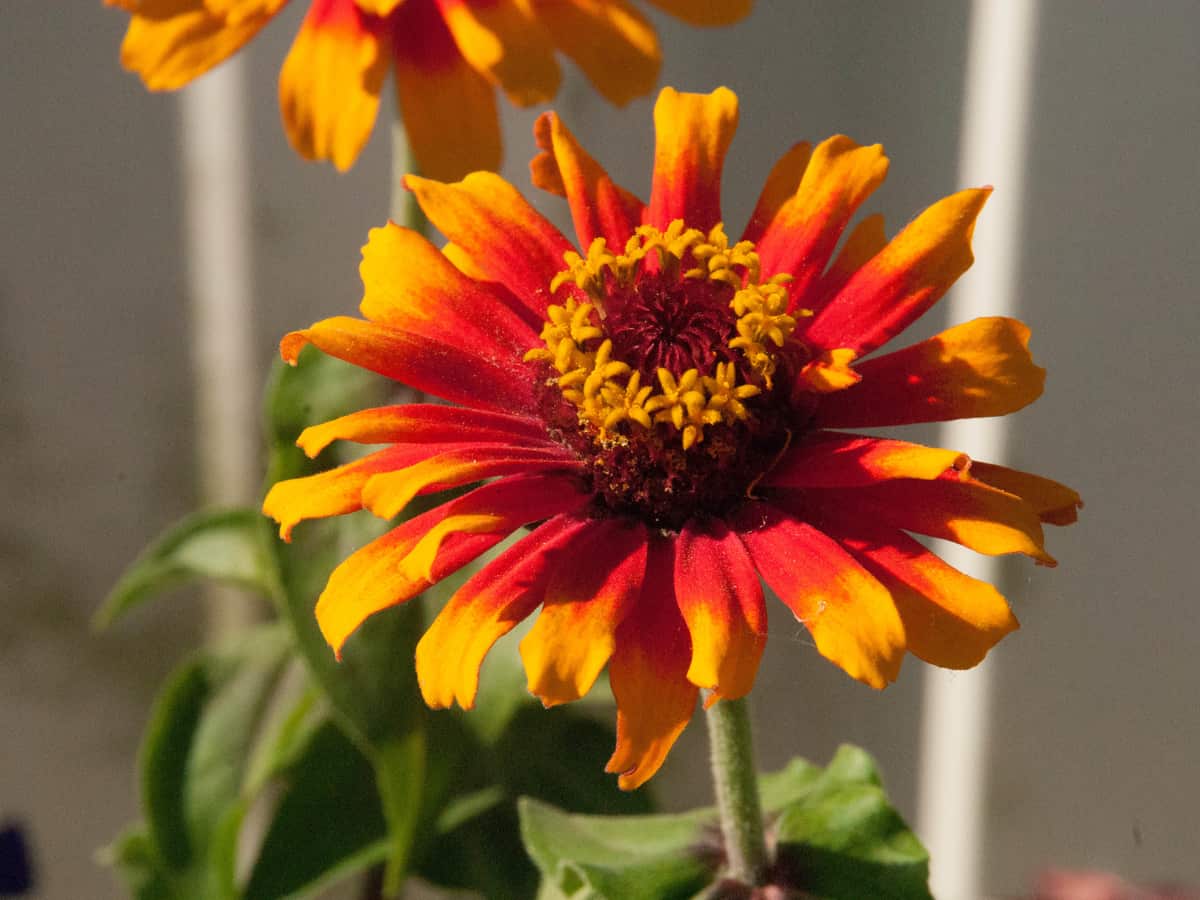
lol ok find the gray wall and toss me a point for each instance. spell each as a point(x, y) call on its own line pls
point(1096, 718)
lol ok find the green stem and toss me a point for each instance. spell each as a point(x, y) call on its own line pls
point(403, 209)
point(736, 787)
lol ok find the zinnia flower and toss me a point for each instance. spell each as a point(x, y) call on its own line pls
point(449, 57)
point(665, 412)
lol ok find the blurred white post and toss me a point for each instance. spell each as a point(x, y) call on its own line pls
point(217, 235)
point(952, 779)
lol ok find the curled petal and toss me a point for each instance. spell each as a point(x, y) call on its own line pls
point(980, 368)
point(692, 135)
point(484, 609)
point(1054, 503)
point(331, 80)
point(587, 597)
point(850, 615)
point(904, 279)
point(805, 230)
point(394, 568)
point(648, 673)
point(721, 600)
point(488, 219)
point(599, 207)
point(410, 285)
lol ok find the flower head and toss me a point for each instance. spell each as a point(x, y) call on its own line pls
point(663, 407)
point(449, 56)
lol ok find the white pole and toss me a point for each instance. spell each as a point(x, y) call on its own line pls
point(218, 239)
point(953, 767)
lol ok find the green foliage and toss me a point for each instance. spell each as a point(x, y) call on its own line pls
point(837, 838)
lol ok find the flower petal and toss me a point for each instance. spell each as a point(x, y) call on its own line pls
point(394, 568)
point(1054, 503)
point(866, 239)
point(386, 494)
point(336, 491)
point(488, 219)
point(706, 12)
point(448, 108)
point(587, 597)
point(980, 368)
point(331, 80)
point(962, 510)
point(903, 280)
point(850, 615)
point(950, 619)
point(721, 600)
point(648, 673)
point(173, 42)
point(599, 207)
point(502, 40)
point(484, 609)
point(692, 135)
point(801, 237)
point(410, 285)
point(422, 423)
point(613, 43)
point(828, 459)
point(781, 184)
point(444, 370)
point(379, 8)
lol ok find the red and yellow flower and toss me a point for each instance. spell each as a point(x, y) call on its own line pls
point(665, 409)
point(449, 56)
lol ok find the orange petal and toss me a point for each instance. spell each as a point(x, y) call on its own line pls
point(706, 12)
point(829, 371)
point(850, 615)
point(904, 279)
point(448, 108)
point(950, 619)
point(394, 568)
point(692, 135)
point(980, 368)
point(502, 40)
point(438, 368)
point(587, 597)
point(492, 223)
point(866, 239)
point(648, 673)
point(611, 41)
point(1054, 503)
point(781, 184)
point(386, 494)
point(409, 284)
point(721, 600)
point(421, 423)
point(962, 510)
point(487, 607)
point(330, 83)
point(804, 232)
point(336, 491)
point(173, 42)
point(599, 207)
point(827, 459)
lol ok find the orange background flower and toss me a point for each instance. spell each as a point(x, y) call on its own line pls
point(448, 56)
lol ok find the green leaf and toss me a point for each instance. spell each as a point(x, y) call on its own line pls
point(844, 841)
point(224, 545)
point(656, 857)
point(193, 762)
point(136, 861)
point(328, 824)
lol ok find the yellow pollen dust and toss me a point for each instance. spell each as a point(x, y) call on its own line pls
point(607, 391)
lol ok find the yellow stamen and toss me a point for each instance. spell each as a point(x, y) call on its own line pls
point(607, 391)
